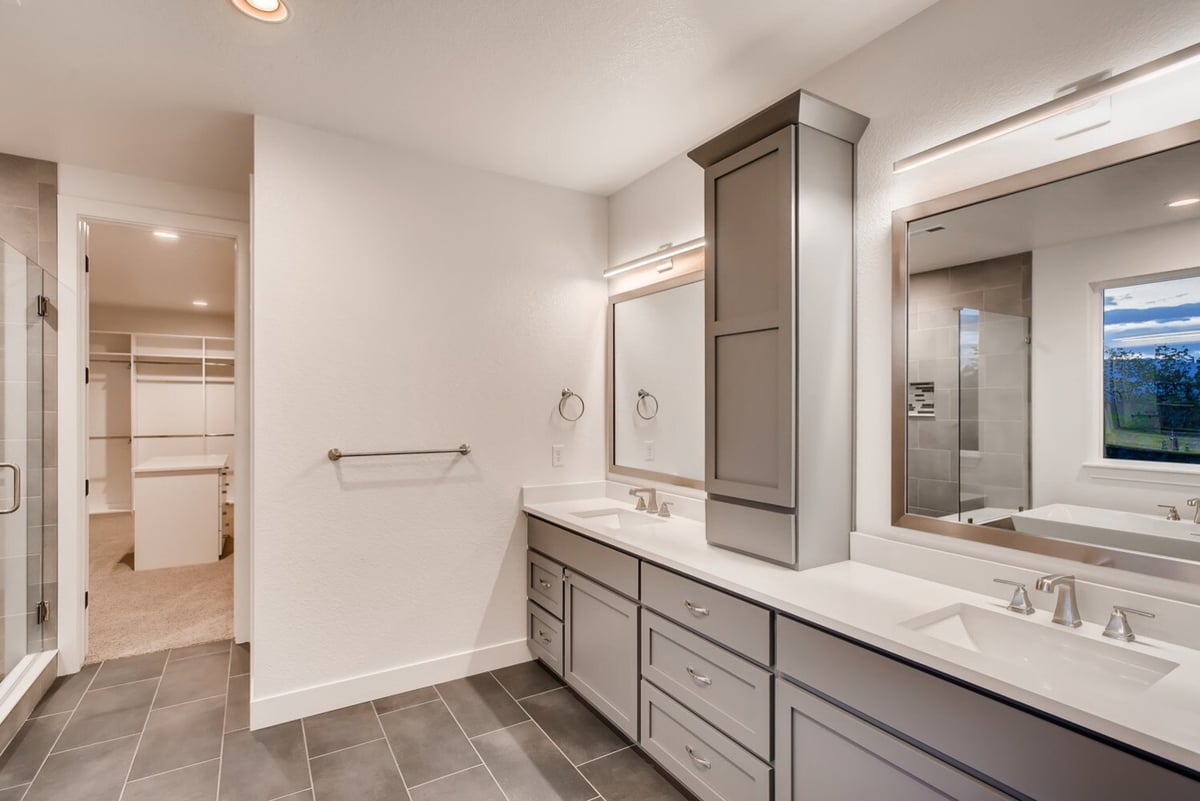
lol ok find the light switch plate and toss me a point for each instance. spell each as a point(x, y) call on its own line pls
point(648, 450)
point(556, 455)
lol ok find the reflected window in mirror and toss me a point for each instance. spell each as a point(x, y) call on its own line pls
point(1152, 371)
point(656, 399)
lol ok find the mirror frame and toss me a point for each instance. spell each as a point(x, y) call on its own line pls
point(610, 384)
point(1148, 564)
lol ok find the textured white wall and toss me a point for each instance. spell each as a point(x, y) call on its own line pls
point(1067, 389)
point(956, 67)
point(403, 303)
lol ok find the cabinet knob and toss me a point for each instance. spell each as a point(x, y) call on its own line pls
point(698, 611)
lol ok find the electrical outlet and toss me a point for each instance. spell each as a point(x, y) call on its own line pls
point(648, 450)
point(556, 455)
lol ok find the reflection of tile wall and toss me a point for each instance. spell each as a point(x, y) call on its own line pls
point(936, 487)
point(29, 223)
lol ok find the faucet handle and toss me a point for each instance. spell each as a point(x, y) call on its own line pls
point(1118, 624)
point(664, 508)
point(1172, 512)
point(1020, 602)
point(641, 503)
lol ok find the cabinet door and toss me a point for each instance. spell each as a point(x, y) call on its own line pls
point(750, 322)
point(826, 754)
point(600, 650)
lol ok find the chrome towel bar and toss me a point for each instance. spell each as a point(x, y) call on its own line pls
point(335, 454)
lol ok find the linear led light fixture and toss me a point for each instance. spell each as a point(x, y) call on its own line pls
point(668, 252)
point(1088, 94)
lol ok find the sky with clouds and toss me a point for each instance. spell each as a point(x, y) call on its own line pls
point(1143, 316)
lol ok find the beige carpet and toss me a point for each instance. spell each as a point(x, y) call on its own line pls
point(139, 612)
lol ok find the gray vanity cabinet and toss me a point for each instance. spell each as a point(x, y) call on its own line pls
point(600, 649)
point(825, 754)
point(779, 317)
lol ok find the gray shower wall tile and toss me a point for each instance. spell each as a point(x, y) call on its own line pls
point(929, 464)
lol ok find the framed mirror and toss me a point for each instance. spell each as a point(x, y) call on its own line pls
point(1046, 371)
point(656, 382)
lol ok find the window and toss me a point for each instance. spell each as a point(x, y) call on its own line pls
point(1152, 371)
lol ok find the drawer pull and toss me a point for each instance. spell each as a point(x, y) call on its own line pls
point(542, 636)
point(703, 681)
point(704, 763)
point(545, 584)
point(698, 611)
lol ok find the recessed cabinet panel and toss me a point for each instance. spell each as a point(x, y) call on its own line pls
point(748, 238)
point(545, 583)
point(826, 754)
point(601, 650)
point(545, 636)
point(749, 444)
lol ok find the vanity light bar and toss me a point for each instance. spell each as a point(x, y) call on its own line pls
point(662, 255)
point(1146, 72)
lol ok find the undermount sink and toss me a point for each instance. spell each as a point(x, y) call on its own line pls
point(1051, 659)
point(617, 518)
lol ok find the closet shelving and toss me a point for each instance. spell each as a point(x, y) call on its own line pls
point(154, 395)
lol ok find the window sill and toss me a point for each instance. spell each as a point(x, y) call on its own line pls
point(1183, 475)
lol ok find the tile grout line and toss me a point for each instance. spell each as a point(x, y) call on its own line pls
point(145, 725)
point(551, 739)
point(307, 761)
point(127, 683)
point(194, 656)
point(74, 709)
point(535, 695)
point(502, 728)
point(447, 776)
point(172, 770)
point(392, 751)
point(98, 742)
point(603, 756)
point(478, 755)
point(379, 714)
point(224, 723)
point(193, 701)
point(347, 748)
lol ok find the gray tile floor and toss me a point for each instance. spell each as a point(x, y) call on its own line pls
point(172, 726)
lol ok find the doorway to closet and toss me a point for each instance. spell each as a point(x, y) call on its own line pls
point(161, 438)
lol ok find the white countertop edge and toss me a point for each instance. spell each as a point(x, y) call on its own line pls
point(719, 560)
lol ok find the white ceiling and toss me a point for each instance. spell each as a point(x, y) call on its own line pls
point(585, 95)
point(130, 266)
point(1121, 198)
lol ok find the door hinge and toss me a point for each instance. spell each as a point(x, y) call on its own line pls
point(87, 487)
point(43, 612)
point(87, 375)
point(86, 599)
point(87, 264)
point(43, 303)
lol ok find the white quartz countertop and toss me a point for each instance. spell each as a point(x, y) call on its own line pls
point(871, 605)
point(177, 464)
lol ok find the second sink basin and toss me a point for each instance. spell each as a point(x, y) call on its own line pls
point(617, 518)
point(1050, 659)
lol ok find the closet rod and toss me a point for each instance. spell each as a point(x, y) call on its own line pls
point(179, 436)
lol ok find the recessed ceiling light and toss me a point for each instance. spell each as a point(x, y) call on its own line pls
point(166, 234)
point(201, 303)
point(263, 10)
point(1185, 201)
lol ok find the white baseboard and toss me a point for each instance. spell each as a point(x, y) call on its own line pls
point(284, 707)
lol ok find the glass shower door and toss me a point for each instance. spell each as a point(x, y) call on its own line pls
point(24, 309)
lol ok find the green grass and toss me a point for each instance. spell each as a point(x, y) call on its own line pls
point(1150, 440)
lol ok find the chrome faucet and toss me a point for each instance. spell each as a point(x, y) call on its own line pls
point(1066, 611)
point(1172, 512)
point(648, 503)
point(1195, 503)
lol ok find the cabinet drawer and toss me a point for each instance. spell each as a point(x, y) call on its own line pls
point(735, 623)
point(707, 762)
point(606, 565)
point(545, 636)
point(731, 692)
point(544, 583)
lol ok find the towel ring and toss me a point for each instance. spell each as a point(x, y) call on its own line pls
point(567, 394)
point(642, 395)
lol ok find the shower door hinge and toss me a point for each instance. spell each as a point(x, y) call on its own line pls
point(43, 303)
point(43, 612)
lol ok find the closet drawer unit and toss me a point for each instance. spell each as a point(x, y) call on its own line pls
point(707, 762)
point(544, 583)
point(601, 563)
point(735, 623)
point(723, 688)
point(545, 636)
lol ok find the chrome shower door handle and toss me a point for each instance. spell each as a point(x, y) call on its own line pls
point(16, 504)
